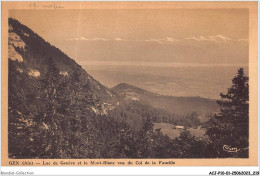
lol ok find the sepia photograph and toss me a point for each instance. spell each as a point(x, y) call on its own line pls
point(133, 83)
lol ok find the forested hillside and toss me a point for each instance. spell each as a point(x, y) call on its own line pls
point(177, 105)
point(134, 112)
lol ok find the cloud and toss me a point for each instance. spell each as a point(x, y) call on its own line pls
point(96, 39)
point(169, 39)
point(158, 64)
point(118, 39)
point(99, 39)
point(79, 38)
point(217, 38)
point(154, 40)
point(161, 41)
point(242, 40)
point(86, 39)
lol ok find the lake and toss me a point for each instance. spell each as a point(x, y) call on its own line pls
point(204, 81)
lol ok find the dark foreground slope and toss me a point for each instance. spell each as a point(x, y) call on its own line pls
point(52, 102)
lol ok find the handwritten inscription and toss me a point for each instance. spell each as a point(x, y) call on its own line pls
point(53, 5)
point(50, 5)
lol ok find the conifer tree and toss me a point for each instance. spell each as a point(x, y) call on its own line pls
point(230, 127)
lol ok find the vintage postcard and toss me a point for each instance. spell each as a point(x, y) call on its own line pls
point(129, 84)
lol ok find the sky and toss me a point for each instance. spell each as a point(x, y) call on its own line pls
point(152, 37)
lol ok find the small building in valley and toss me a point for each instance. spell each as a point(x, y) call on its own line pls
point(179, 127)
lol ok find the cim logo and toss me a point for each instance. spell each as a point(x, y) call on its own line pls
point(228, 148)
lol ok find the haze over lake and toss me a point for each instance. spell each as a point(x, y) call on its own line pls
point(191, 80)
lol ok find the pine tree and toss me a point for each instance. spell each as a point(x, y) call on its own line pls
point(230, 127)
point(146, 138)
